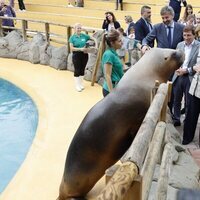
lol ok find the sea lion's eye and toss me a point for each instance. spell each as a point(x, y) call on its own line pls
point(166, 58)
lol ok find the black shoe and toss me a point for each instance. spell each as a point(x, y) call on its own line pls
point(177, 123)
point(185, 143)
point(183, 111)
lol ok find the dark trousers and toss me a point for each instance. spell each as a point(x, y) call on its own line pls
point(21, 5)
point(191, 119)
point(180, 87)
point(79, 60)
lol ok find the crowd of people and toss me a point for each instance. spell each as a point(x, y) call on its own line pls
point(174, 32)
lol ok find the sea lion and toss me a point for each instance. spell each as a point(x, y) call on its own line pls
point(109, 127)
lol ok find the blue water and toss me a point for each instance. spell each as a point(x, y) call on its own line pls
point(18, 124)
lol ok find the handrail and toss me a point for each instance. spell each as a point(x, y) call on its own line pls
point(26, 32)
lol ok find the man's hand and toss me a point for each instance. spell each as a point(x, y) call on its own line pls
point(145, 48)
point(197, 68)
point(181, 71)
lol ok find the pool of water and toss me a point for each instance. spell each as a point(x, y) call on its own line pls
point(18, 124)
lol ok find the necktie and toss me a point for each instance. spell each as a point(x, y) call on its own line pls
point(169, 36)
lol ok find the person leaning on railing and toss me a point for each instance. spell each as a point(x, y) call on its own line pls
point(7, 11)
point(80, 54)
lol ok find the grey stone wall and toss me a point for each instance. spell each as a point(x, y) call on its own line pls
point(37, 51)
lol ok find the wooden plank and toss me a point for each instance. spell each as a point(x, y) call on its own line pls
point(138, 149)
point(152, 158)
point(161, 193)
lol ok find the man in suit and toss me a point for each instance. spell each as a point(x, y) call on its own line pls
point(143, 25)
point(176, 5)
point(183, 76)
point(193, 108)
point(167, 34)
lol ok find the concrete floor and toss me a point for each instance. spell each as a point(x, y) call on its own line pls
point(61, 109)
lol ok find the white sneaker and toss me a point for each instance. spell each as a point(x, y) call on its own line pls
point(70, 5)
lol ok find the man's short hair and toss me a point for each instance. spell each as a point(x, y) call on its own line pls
point(144, 8)
point(189, 28)
point(167, 9)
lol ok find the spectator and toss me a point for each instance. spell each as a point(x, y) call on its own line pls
point(197, 33)
point(130, 23)
point(167, 34)
point(119, 2)
point(7, 11)
point(176, 5)
point(80, 56)
point(21, 5)
point(183, 76)
point(143, 25)
point(111, 63)
point(110, 22)
point(190, 20)
point(188, 11)
point(197, 19)
point(122, 52)
point(193, 108)
point(134, 48)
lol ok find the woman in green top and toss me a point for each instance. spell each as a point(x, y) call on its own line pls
point(111, 63)
point(80, 56)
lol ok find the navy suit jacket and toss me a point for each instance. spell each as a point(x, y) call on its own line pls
point(176, 5)
point(142, 30)
point(159, 33)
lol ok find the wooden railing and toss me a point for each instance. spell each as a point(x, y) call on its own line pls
point(50, 35)
point(132, 179)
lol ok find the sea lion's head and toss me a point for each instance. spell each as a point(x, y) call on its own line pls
point(167, 61)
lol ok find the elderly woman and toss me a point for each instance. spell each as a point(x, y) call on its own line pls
point(80, 56)
point(111, 64)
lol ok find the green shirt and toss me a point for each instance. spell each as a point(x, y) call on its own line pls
point(79, 41)
point(110, 56)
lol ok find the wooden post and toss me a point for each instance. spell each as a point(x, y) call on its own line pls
point(154, 90)
point(96, 67)
point(120, 183)
point(68, 36)
point(24, 26)
point(137, 151)
point(163, 113)
point(47, 29)
point(161, 193)
point(1, 29)
point(169, 90)
point(152, 158)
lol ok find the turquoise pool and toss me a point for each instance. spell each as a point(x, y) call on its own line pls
point(18, 124)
